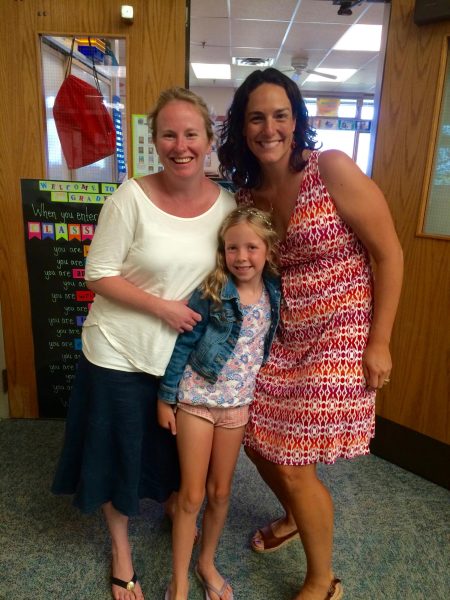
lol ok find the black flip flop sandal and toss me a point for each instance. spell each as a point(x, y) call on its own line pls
point(128, 585)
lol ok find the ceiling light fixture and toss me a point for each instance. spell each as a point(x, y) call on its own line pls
point(127, 13)
point(211, 71)
point(363, 38)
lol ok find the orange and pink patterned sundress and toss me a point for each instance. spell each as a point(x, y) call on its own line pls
point(311, 400)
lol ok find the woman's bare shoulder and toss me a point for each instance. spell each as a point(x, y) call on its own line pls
point(335, 165)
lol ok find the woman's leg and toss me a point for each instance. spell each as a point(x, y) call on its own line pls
point(194, 440)
point(284, 525)
point(310, 503)
point(122, 565)
point(312, 507)
point(224, 455)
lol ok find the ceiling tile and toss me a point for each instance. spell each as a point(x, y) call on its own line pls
point(257, 34)
point(254, 52)
point(263, 9)
point(304, 37)
point(321, 11)
point(209, 54)
point(374, 14)
point(213, 31)
point(340, 59)
point(206, 8)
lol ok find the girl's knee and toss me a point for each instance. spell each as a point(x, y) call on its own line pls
point(190, 502)
point(218, 495)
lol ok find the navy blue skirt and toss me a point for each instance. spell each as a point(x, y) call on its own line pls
point(114, 450)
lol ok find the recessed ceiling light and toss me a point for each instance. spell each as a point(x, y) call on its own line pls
point(211, 71)
point(365, 38)
point(340, 74)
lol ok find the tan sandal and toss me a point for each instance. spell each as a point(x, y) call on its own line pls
point(207, 587)
point(271, 541)
point(336, 591)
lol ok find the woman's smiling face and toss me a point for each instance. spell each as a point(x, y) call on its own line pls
point(269, 124)
point(181, 140)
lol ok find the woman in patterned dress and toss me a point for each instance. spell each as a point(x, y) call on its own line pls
point(315, 397)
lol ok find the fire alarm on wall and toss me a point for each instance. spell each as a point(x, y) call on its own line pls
point(126, 12)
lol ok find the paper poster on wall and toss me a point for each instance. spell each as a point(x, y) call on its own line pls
point(59, 223)
point(328, 107)
point(145, 157)
point(347, 124)
point(363, 126)
point(211, 159)
point(317, 123)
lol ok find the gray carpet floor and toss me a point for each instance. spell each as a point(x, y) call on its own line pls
point(391, 542)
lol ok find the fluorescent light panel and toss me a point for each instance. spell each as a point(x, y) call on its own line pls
point(341, 75)
point(211, 71)
point(365, 38)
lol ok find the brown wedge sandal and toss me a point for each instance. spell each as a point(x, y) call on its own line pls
point(336, 591)
point(270, 541)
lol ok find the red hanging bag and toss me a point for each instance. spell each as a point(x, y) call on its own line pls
point(85, 127)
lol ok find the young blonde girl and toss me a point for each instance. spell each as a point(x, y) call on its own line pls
point(209, 382)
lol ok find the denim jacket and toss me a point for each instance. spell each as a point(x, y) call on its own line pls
point(209, 345)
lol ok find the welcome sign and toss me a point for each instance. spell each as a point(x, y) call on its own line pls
point(59, 223)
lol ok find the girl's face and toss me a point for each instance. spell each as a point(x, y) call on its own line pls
point(245, 254)
point(269, 124)
point(181, 139)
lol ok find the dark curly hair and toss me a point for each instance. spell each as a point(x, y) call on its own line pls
point(237, 162)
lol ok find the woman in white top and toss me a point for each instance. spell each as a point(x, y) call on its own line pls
point(154, 243)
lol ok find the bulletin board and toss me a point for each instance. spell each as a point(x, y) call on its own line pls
point(145, 157)
point(59, 223)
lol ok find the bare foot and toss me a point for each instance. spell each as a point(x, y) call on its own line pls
point(177, 592)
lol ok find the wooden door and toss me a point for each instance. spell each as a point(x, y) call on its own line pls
point(155, 48)
point(418, 397)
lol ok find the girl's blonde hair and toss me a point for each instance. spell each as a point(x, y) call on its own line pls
point(183, 95)
point(261, 223)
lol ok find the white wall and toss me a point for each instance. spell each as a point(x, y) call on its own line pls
point(217, 98)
